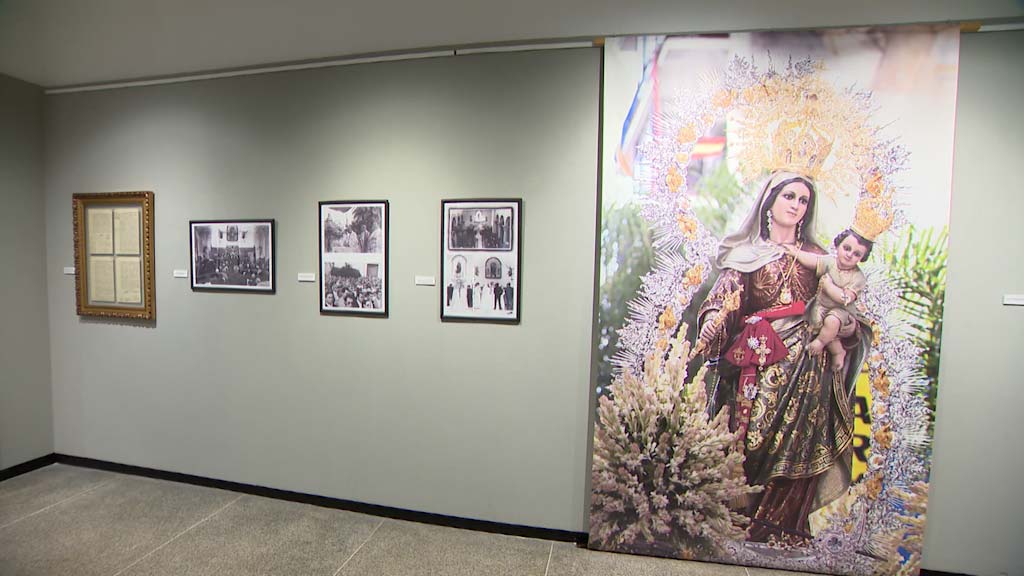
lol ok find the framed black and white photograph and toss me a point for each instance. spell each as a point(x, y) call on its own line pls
point(480, 260)
point(354, 257)
point(232, 255)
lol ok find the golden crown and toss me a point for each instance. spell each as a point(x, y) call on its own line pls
point(802, 125)
point(798, 146)
point(874, 214)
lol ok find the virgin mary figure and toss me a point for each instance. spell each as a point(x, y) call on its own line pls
point(792, 410)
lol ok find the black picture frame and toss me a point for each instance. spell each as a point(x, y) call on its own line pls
point(481, 260)
point(354, 251)
point(245, 264)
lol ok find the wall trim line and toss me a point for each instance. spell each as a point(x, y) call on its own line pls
point(580, 538)
point(317, 63)
point(26, 467)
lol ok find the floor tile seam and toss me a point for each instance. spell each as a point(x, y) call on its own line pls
point(353, 555)
point(64, 501)
point(178, 535)
point(551, 553)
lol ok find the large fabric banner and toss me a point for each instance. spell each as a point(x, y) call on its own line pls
point(773, 251)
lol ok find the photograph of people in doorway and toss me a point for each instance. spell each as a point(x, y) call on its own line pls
point(480, 260)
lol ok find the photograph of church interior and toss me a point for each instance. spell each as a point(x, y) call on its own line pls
point(527, 288)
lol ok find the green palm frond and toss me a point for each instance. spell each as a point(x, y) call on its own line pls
point(917, 263)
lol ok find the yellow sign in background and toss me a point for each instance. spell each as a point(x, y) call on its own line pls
point(861, 426)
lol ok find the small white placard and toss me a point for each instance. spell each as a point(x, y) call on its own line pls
point(181, 273)
point(307, 277)
point(425, 281)
point(1013, 300)
point(69, 270)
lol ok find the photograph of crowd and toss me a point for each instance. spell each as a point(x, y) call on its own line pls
point(348, 288)
point(480, 228)
point(353, 257)
point(480, 260)
point(233, 255)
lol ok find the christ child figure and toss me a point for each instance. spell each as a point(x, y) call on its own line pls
point(832, 315)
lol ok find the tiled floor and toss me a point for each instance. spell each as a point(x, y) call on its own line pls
point(67, 520)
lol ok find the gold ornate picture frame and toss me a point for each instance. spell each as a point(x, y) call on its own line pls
point(114, 255)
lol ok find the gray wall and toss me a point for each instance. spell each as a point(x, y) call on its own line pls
point(472, 420)
point(479, 421)
point(976, 511)
point(26, 422)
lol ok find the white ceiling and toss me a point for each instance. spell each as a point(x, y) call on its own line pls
point(66, 42)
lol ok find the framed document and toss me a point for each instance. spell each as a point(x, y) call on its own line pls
point(232, 255)
point(114, 255)
point(354, 258)
point(480, 260)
